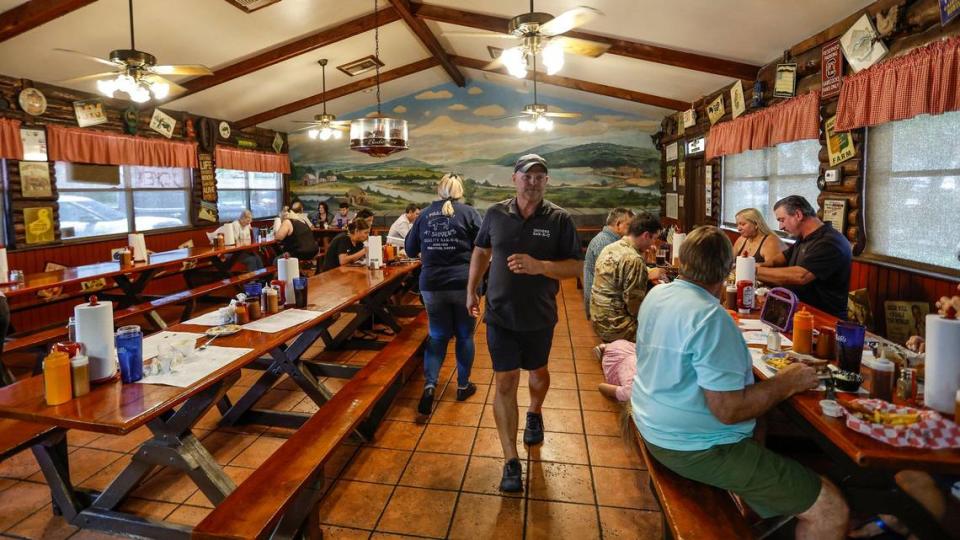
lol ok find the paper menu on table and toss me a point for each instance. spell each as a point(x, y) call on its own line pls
point(212, 318)
point(151, 344)
point(752, 324)
point(759, 337)
point(281, 321)
point(200, 364)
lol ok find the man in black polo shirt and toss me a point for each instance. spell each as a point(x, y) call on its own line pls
point(817, 266)
point(528, 244)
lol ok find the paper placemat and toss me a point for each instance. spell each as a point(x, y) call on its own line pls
point(199, 365)
point(281, 321)
point(151, 344)
point(211, 318)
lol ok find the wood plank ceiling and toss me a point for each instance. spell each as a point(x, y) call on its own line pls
point(265, 63)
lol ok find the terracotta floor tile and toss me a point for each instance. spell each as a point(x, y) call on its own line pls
point(340, 505)
point(403, 409)
point(306, 405)
point(560, 482)
point(488, 444)
point(457, 414)
point(123, 443)
point(450, 393)
point(434, 471)
point(590, 381)
point(449, 439)
point(484, 474)
point(561, 448)
point(20, 466)
point(169, 485)
point(237, 474)
point(560, 521)
point(148, 509)
point(377, 465)
point(602, 423)
point(338, 460)
point(480, 375)
point(560, 353)
point(392, 536)
point(620, 523)
point(76, 437)
point(43, 524)
point(6, 482)
point(523, 394)
point(84, 463)
point(561, 399)
point(487, 516)
point(613, 452)
point(189, 515)
point(411, 390)
point(421, 512)
point(561, 420)
point(593, 400)
point(397, 435)
point(558, 364)
point(624, 488)
point(342, 533)
point(588, 366)
point(563, 381)
point(102, 478)
point(255, 454)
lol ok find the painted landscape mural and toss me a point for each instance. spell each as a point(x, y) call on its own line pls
point(598, 161)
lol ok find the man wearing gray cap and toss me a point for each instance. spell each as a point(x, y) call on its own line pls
point(528, 244)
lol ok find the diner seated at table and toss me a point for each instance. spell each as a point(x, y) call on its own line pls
point(365, 214)
point(322, 217)
point(620, 280)
point(756, 239)
point(343, 216)
point(242, 235)
point(401, 227)
point(817, 266)
point(616, 228)
point(619, 362)
point(695, 401)
point(347, 247)
point(296, 235)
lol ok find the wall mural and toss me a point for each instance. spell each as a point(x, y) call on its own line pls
point(598, 161)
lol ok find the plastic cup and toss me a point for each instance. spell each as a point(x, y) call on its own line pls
point(129, 341)
point(300, 291)
point(253, 290)
point(850, 345)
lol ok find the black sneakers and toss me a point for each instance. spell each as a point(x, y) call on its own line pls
point(533, 433)
point(512, 481)
point(426, 402)
point(467, 391)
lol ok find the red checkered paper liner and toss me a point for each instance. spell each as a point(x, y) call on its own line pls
point(932, 431)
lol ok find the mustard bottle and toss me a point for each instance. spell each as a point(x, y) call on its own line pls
point(803, 332)
point(56, 378)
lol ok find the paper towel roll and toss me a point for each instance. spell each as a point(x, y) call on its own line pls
point(287, 269)
point(95, 331)
point(4, 269)
point(139, 244)
point(375, 251)
point(943, 363)
point(229, 235)
point(746, 269)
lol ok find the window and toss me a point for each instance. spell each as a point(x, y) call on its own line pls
point(260, 192)
point(913, 190)
point(759, 178)
point(101, 200)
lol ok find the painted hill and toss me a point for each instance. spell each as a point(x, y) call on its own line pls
point(509, 159)
point(597, 155)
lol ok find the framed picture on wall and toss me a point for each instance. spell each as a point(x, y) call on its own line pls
point(34, 143)
point(670, 152)
point(839, 145)
point(35, 179)
point(163, 123)
point(835, 213)
point(89, 112)
point(737, 104)
point(715, 110)
point(38, 224)
point(708, 190)
point(785, 84)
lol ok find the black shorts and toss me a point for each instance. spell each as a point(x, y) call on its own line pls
point(513, 349)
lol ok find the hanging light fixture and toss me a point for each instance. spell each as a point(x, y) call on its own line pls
point(324, 126)
point(378, 136)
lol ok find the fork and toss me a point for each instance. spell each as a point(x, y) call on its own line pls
point(209, 341)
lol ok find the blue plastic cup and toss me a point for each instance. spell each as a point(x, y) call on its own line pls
point(253, 290)
point(129, 340)
point(850, 345)
point(300, 292)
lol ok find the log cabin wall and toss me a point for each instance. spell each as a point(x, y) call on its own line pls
point(917, 22)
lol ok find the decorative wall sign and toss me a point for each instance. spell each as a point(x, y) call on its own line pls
point(672, 205)
point(39, 224)
point(949, 9)
point(277, 143)
point(206, 134)
point(224, 130)
point(757, 100)
point(689, 118)
point(835, 213)
point(785, 84)
point(831, 69)
point(905, 319)
point(208, 212)
point(839, 145)
point(682, 174)
point(32, 101)
point(862, 45)
point(681, 127)
point(208, 179)
point(188, 129)
point(246, 143)
point(131, 120)
point(34, 143)
point(52, 292)
point(737, 104)
point(696, 145)
point(708, 190)
point(715, 110)
point(89, 112)
point(163, 123)
point(671, 152)
point(93, 285)
point(35, 179)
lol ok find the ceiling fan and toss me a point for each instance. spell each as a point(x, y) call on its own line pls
point(541, 34)
point(324, 125)
point(136, 73)
point(536, 116)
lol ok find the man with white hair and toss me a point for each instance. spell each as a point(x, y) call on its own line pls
point(239, 231)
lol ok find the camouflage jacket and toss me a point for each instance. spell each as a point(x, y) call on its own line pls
point(619, 285)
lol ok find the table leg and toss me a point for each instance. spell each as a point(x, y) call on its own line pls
point(52, 455)
point(133, 291)
point(370, 306)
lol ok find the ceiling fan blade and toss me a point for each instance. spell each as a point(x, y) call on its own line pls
point(496, 65)
point(562, 114)
point(88, 56)
point(487, 35)
point(182, 69)
point(174, 87)
point(512, 117)
point(568, 20)
point(90, 77)
point(340, 124)
point(582, 47)
point(304, 128)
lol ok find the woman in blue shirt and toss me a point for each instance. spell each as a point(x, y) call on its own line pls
point(443, 236)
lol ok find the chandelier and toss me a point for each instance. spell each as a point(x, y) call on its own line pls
point(378, 136)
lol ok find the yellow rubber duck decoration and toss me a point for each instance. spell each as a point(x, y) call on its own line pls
point(41, 229)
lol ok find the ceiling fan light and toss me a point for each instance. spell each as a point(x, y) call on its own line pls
point(140, 95)
point(107, 87)
point(313, 133)
point(160, 90)
point(553, 57)
point(337, 134)
point(544, 124)
point(526, 126)
point(515, 61)
point(325, 134)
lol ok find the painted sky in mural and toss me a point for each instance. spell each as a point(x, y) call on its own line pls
point(600, 160)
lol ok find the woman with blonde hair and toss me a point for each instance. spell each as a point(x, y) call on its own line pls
point(756, 238)
point(443, 236)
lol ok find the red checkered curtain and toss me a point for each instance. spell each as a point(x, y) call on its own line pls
point(10, 145)
point(791, 120)
point(924, 81)
point(248, 160)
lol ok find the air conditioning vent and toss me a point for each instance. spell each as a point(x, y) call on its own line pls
point(363, 65)
point(252, 5)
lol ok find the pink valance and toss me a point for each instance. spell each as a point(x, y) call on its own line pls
point(79, 145)
point(923, 81)
point(791, 120)
point(248, 160)
point(10, 145)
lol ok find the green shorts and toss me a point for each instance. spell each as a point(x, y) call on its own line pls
point(771, 484)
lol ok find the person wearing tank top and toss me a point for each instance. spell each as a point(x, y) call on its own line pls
point(296, 235)
point(756, 238)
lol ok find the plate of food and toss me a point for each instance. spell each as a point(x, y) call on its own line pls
point(782, 360)
point(223, 330)
point(901, 426)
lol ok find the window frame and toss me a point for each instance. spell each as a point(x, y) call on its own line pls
point(247, 190)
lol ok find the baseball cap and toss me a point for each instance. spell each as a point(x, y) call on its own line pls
point(525, 162)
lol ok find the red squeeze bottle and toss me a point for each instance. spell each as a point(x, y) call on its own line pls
point(745, 296)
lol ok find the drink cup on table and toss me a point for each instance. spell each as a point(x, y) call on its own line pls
point(129, 341)
point(300, 289)
point(850, 345)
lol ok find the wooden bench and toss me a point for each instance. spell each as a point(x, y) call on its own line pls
point(277, 498)
point(692, 510)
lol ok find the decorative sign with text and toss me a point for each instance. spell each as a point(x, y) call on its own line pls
point(949, 9)
point(831, 69)
point(835, 213)
point(708, 190)
point(715, 110)
point(208, 180)
point(737, 105)
point(839, 145)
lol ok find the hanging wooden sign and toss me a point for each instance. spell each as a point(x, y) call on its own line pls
point(89, 112)
point(715, 110)
point(839, 145)
point(163, 123)
point(208, 180)
point(277, 143)
point(39, 224)
point(831, 69)
point(208, 212)
point(737, 104)
point(785, 84)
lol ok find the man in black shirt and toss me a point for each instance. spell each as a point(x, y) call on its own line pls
point(528, 244)
point(296, 234)
point(817, 266)
point(347, 247)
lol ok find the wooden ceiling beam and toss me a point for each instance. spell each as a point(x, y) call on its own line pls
point(428, 39)
point(30, 15)
point(285, 52)
point(584, 86)
point(620, 47)
point(339, 92)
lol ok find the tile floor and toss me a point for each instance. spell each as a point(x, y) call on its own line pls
point(433, 480)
